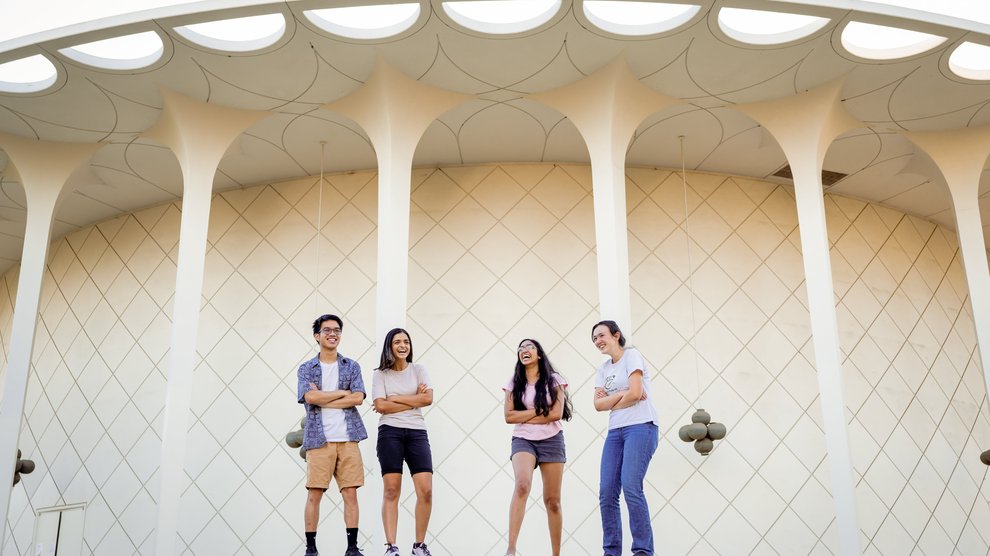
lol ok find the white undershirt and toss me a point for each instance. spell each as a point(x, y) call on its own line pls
point(334, 425)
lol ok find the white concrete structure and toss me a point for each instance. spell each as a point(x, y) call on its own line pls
point(168, 241)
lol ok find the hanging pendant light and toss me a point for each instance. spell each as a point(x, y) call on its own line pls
point(295, 438)
point(702, 431)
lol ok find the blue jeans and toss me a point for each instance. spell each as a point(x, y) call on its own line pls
point(625, 458)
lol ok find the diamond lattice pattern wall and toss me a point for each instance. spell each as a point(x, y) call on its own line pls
point(499, 253)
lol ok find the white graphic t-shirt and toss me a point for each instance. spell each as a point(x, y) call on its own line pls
point(614, 377)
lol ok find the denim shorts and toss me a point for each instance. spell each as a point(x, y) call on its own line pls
point(548, 450)
point(396, 444)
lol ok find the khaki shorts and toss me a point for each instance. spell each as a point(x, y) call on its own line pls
point(342, 460)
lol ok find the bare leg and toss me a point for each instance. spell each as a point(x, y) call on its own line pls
point(522, 464)
point(349, 495)
point(311, 515)
point(390, 504)
point(553, 475)
point(424, 503)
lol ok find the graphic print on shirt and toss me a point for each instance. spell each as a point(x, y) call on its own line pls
point(610, 383)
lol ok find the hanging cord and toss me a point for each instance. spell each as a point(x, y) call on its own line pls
point(319, 227)
point(690, 278)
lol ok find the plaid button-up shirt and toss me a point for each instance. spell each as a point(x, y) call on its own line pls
point(349, 373)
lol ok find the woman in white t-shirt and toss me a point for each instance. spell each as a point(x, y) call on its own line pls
point(535, 402)
point(622, 387)
point(399, 390)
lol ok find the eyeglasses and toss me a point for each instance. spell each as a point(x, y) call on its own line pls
point(526, 346)
point(331, 332)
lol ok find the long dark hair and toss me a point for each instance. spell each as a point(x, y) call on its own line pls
point(543, 388)
point(388, 358)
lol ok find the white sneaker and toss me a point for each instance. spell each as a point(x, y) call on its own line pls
point(419, 549)
point(391, 550)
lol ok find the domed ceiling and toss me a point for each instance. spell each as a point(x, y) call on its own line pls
point(294, 71)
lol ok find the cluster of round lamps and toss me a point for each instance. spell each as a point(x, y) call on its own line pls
point(295, 439)
point(22, 467)
point(702, 431)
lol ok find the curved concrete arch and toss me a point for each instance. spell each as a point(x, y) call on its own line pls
point(607, 134)
point(804, 126)
point(44, 168)
point(199, 134)
point(394, 110)
point(960, 155)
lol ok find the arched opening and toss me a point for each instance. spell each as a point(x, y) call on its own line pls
point(724, 324)
point(501, 248)
point(905, 335)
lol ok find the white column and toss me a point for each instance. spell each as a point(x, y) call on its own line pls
point(805, 125)
point(394, 111)
point(199, 135)
point(960, 156)
point(607, 107)
point(44, 167)
point(608, 178)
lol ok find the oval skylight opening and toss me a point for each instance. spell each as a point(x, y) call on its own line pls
point(366, 22)
point(763, 27)
point(879, 42)
point(637, 18)
point(971, 60)
point(119, 53)
point(27, 75)
point(242, 34)
point(502, 17)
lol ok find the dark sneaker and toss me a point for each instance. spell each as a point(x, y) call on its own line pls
point(419, 549)
point(312, 552)
point(353, 551)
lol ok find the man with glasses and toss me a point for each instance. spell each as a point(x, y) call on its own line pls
point(331, 388)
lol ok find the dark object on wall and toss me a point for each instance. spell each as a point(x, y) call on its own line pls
point(22, 467)
point(985, 457)
point(295, 439)
point(702, 431)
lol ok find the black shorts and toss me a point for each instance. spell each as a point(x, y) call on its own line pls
point(548, 450)
point(396, 444)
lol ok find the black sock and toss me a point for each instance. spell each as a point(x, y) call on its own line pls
point(311, 539)
point(352, 537)
point(418, 544)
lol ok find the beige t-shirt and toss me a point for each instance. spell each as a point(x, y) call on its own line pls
point(385, 383)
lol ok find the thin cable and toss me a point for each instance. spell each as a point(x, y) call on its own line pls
point(693, 342)
point(319, 228)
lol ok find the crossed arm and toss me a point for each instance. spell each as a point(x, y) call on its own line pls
point(333, 399)
point(517, 416)
point(396, 403)
point(623, 398)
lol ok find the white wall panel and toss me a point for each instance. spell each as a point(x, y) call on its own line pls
point(498, 253)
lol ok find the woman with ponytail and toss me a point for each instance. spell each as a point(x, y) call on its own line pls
point(622, 387)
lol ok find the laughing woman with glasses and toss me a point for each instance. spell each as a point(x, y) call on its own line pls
point(535, 402)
